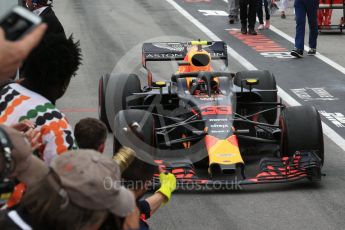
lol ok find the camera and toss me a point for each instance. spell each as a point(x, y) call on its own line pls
point(6, 166)
point(18, 22)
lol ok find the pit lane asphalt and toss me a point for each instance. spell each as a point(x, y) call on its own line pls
point(107, 30)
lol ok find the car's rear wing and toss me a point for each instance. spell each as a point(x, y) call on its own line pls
point(176, 51)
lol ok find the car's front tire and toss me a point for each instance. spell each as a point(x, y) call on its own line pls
point(143, 129)
point(119, 88)
point(301, 129)
point(102, 86)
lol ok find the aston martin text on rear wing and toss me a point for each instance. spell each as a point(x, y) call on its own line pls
point(176, 51)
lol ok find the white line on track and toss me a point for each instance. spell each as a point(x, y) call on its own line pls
point(328, 131)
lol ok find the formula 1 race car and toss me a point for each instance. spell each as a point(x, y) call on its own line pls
point(211, 127)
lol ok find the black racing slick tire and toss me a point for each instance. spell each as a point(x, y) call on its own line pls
point(301, 129)
point(143, 129)
point(131, 84)
point(102, 86)
point(120, 87)
point(266, 82)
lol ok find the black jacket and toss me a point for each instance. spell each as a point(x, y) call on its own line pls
point(54, 25)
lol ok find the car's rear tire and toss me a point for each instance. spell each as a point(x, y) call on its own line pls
point(102, 86)
point(266, 82)
point(301, 129)
point(145, 133)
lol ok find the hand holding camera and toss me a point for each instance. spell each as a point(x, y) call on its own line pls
point(20, 32)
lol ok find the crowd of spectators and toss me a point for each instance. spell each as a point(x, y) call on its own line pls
point(51, 176)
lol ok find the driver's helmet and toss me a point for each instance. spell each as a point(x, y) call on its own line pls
point(214, 86)
point(198, 86)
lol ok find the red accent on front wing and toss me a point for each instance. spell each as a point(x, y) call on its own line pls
point(288, 169)
point(210, 141)
point(233, 140)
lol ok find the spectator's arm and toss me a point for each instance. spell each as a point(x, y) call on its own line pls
point(168, 185)
point(23, 126)
point(155, 201)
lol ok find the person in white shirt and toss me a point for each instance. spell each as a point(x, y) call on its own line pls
point(46, 76)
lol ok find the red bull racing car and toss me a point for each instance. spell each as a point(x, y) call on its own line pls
point(211, 127)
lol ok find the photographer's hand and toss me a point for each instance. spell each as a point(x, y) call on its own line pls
point(23, 126)
point(168, 185)
point(34, 139)
point(12, 54)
